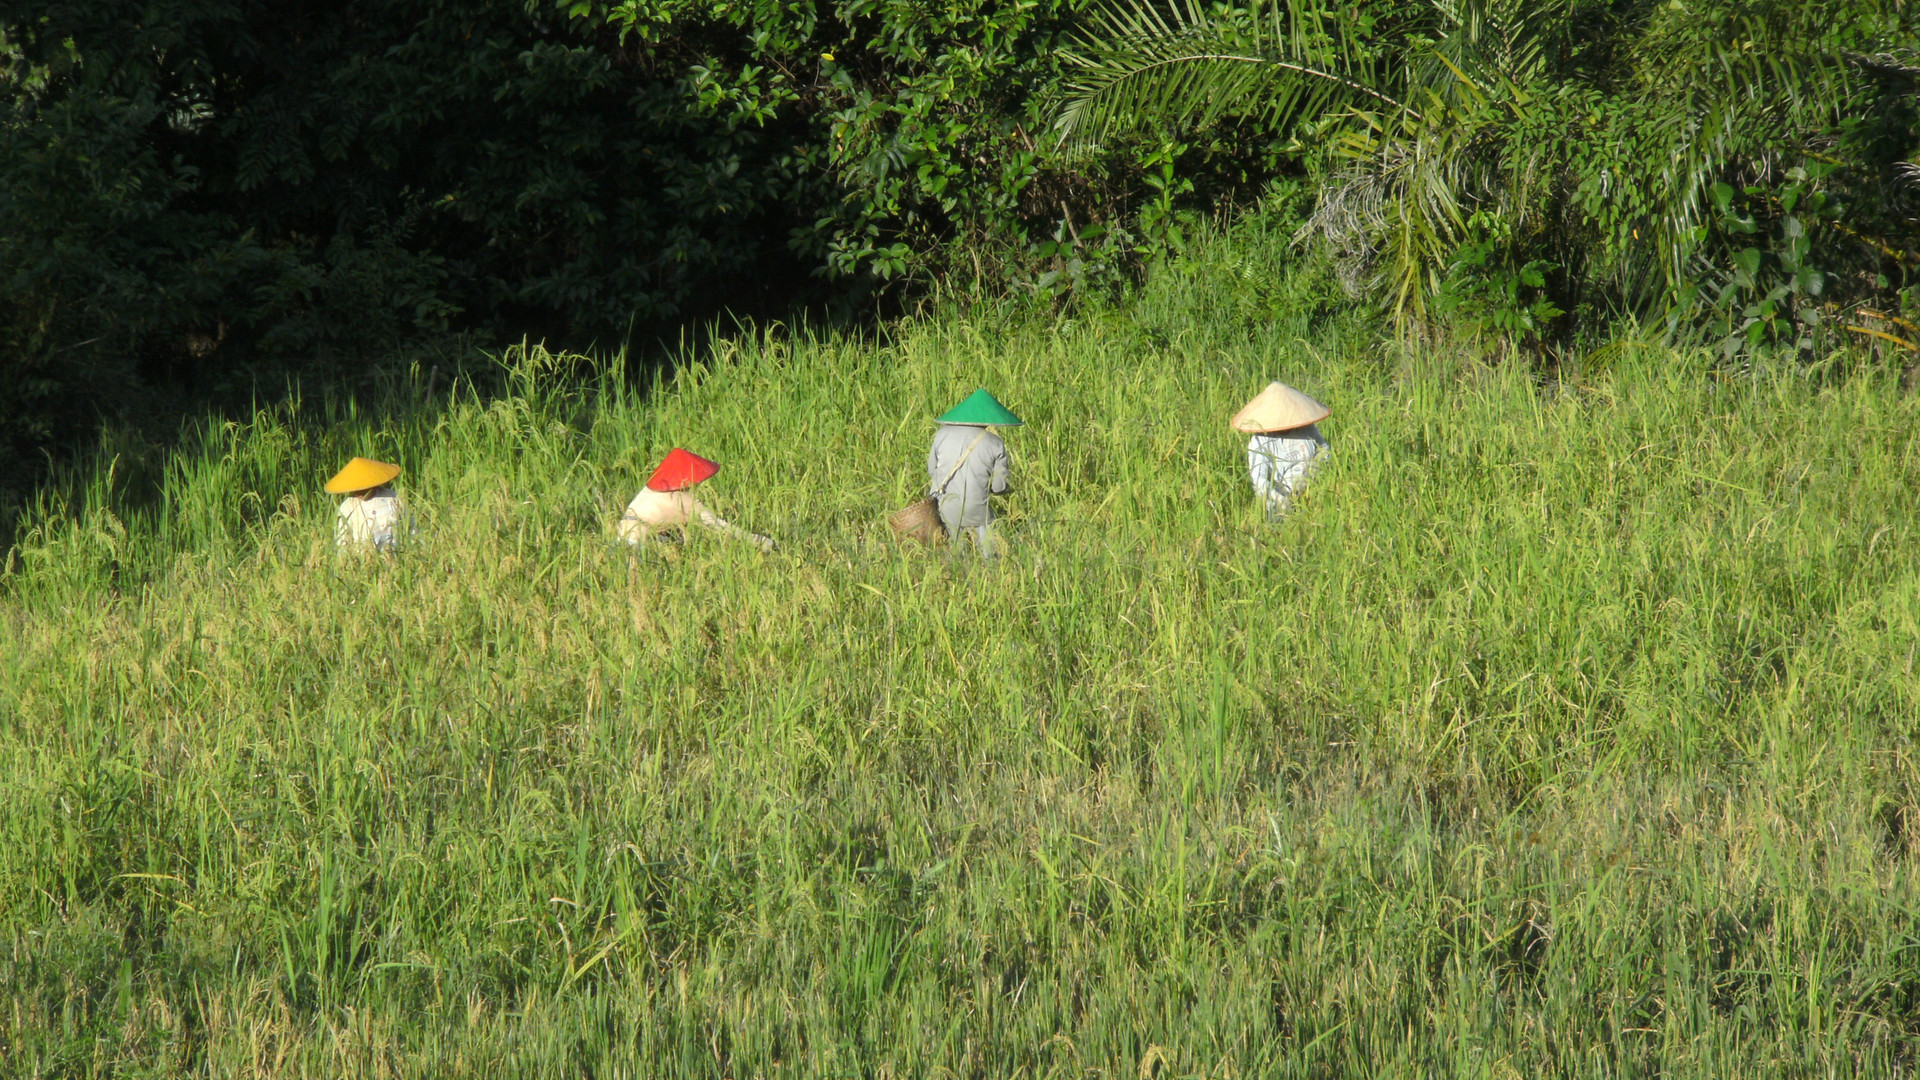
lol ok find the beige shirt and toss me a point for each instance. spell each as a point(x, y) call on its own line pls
point(376, 521)
point(651, 511)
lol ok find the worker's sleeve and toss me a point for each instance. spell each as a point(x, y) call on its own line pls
point(707, 517)
point(933, 464)
point(997, 480)
point(713, 521)
point(1262, 467)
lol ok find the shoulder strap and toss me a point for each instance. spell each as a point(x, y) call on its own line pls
point(964, 455)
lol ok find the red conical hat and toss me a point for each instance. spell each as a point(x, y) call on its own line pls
point(681, 470)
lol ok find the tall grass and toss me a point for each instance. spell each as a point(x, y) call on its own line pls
point(1563, 731)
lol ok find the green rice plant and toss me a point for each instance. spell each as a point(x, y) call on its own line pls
point(1558, 730)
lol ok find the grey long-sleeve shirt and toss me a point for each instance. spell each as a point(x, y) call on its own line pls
point(984, 473)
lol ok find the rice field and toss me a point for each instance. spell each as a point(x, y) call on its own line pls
point(1563, 729)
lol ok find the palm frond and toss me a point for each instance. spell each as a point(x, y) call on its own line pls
point(1481, 124)
point(1726, 91)
point(1189, 64)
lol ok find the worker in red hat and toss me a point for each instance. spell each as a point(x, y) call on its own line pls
point(667, 502)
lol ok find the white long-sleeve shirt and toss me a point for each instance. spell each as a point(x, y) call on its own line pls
point(650, 511)
point(377, 521)
point(1279, 462)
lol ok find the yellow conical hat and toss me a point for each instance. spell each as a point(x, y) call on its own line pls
point(1278, 408)
point(360, 474)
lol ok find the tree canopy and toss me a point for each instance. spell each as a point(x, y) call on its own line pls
point(204, 193)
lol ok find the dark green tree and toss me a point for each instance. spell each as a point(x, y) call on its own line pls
point(200, 196)
point(197, 192)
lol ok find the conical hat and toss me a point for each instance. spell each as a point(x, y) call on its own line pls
point(360, 474)
point(981, 408)
point(681, 470)
point(1278, 408)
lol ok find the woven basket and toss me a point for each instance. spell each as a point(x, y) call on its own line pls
point(919, 520)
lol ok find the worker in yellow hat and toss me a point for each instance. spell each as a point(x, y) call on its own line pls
point(371, 515)
point(1284, 443)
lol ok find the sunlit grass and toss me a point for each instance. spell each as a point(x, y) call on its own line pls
point(1557, 732)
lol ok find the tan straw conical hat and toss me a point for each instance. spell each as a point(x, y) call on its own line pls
point(1278, 408)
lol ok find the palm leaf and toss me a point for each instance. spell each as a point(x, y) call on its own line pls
point(1188, 65)
point(1725, 97)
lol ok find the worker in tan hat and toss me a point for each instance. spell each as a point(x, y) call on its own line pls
point(1285, 443)
point(667, 502)
point(371, 515)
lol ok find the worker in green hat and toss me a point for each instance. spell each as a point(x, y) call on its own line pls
point(967, 463)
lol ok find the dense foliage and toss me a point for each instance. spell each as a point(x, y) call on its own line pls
point(203, 193)
point(1744, 170)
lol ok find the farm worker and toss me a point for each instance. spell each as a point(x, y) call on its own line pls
point(967, 463)
point(371, 515)
point(667, 502)
point(1286, 443)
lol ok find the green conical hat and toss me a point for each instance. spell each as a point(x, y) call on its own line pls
point(981, 408)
